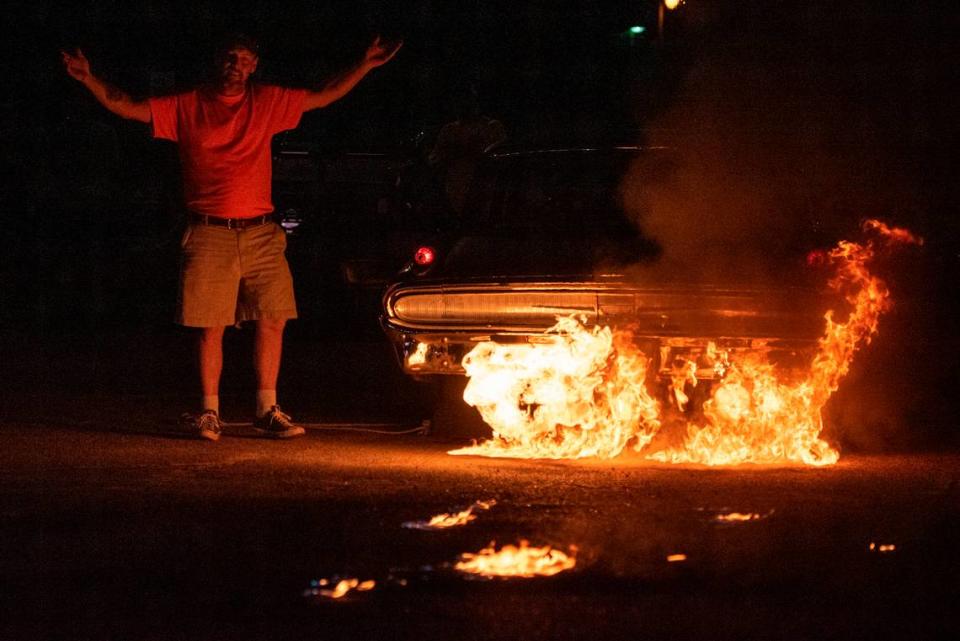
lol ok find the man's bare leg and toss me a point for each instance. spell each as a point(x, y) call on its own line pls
point(267, 352)
point(210, 363)
point(267, 347)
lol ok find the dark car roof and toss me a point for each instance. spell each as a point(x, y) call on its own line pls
point(513, 150)
point(546, 211)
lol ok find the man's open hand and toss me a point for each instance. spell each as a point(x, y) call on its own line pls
point(380, 52)
point(76, 65)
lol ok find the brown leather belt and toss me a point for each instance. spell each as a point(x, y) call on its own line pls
point(230, 223)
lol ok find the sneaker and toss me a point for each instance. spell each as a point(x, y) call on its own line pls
point(276, 424)
point(205, 425)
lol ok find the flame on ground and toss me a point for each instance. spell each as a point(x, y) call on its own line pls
point(580, 395)
point(737, 517)
point(448, 520)
point(521, 560)
point(341, 589)
point(583, 393)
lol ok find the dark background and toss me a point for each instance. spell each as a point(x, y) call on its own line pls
point(788, 118)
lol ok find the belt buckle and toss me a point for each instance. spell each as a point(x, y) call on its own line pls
point(231, 223)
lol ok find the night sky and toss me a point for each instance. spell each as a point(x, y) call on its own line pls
point(547, 69)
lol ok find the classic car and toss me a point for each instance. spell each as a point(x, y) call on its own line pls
point(546, 235)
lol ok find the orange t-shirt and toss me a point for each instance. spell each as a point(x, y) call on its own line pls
point(224, 144)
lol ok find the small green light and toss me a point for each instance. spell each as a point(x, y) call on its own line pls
point(637, 29)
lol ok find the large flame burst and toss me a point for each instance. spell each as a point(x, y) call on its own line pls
point(582, 394)
point(579, 395)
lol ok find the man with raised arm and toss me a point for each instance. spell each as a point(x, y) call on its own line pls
point(233, 267)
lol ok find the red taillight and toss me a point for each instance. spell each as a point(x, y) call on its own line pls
point(816, 258)
point(424, 256)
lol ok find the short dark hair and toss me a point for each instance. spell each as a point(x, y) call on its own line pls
point(236, 40)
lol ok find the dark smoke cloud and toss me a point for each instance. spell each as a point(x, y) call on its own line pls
point(792, 124)
point(786, 132)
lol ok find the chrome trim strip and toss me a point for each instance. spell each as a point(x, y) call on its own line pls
point(614, 301)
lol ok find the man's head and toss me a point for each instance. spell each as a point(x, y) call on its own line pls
point(236, 60)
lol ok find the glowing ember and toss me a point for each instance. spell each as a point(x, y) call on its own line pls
point(676, 558)
point(583, 394)
point(882, 547)
point(341, 589)
point(446, 520)
point(580, 395)
point(516, 561)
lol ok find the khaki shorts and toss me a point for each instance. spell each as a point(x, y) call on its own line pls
point(228, 276)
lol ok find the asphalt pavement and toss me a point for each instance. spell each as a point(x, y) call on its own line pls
point(132, 533)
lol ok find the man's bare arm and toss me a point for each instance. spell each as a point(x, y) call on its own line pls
point(378, 53)
point(115, 100)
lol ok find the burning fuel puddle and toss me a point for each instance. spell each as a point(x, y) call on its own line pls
point(507, 563)
point(510, 561)
point(685, 550)
point(517, 561)
point(726, 517)
point(520, 561)
point(450, 519)
point(337, 587)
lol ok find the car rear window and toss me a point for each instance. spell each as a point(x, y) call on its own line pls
point(555, 193)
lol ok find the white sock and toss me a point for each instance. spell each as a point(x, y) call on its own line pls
point(211, 403)
point(266, 399)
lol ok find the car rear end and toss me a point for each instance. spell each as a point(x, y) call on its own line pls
point(433, 325)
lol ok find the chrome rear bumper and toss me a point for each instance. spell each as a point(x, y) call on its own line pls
point(433, 326)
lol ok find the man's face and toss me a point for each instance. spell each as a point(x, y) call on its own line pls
point(236, 65)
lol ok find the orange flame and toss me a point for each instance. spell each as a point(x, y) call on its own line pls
point(517, 561)
point(448, 520)
point(737, 517)
point(753, 417)
point(342, 588)
point(582, 394)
